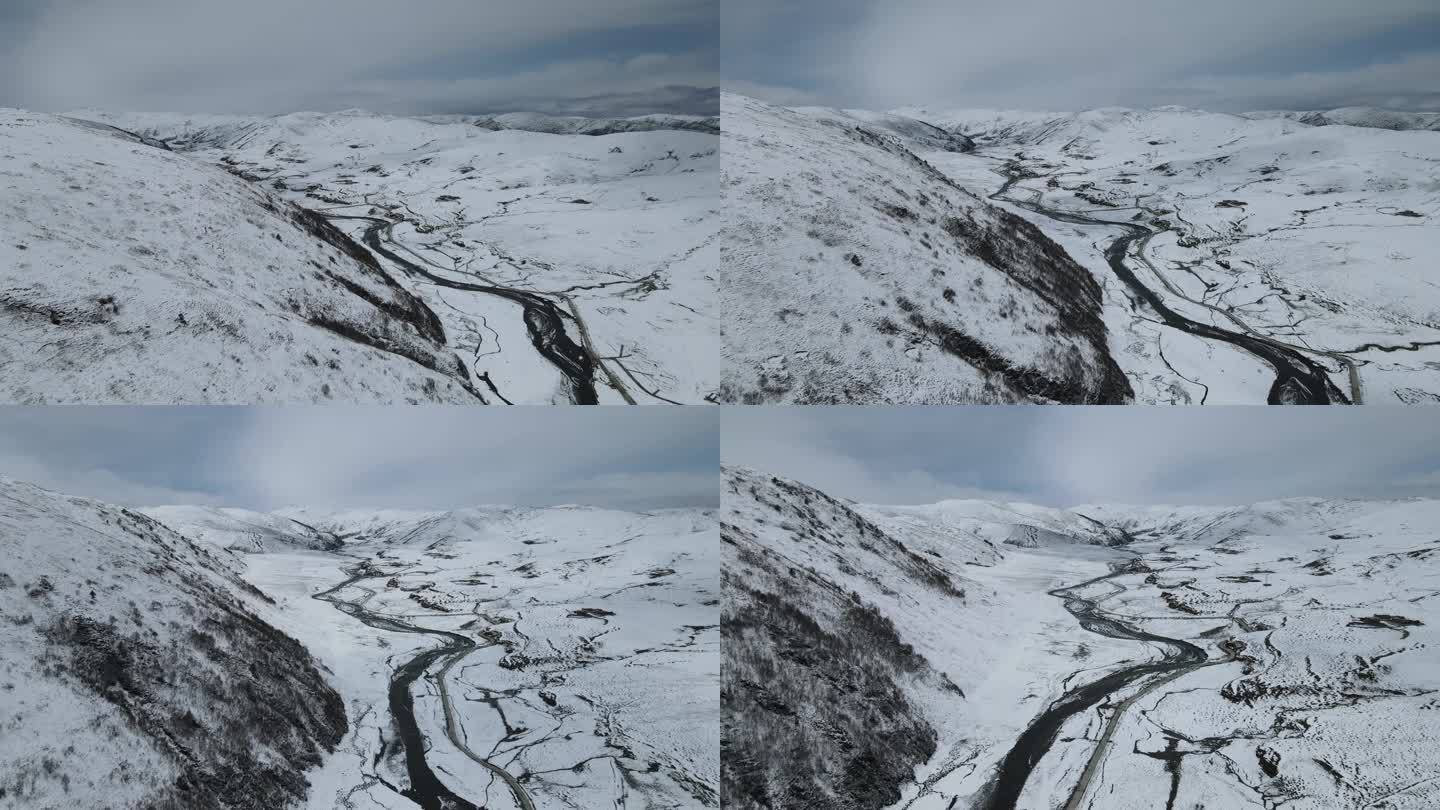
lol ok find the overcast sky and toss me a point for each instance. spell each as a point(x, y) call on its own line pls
point(343, 457)
point(1223, 55)
point(423, 56)
point(1066, 456)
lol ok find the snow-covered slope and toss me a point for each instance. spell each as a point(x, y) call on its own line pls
point(242, 529)
point(136, 670)
point(1268, 259)
point(129, 273)
point(558, 264)
point(1280, 653)
point(826, 701)
point(856, 272)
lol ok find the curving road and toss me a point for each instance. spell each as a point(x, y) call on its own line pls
point(1179, 657)
point(452, 730)
point(425, 788)
point(543, 319)
point(1298, 379)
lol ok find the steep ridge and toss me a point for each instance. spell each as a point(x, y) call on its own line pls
point(1116, 656)
point(823, 705)
point(136, 670)
point(129, 273)
point(857, 272)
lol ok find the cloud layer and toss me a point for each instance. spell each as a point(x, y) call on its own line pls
point(269, 56)
point(1060, 55)
point(355, 457)
point(1074, 455)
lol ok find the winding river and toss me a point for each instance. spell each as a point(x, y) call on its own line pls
point(425, 788)
point(1178, 657)
point(543, 318)
point(1298, 379)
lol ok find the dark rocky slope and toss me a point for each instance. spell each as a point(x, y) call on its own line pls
point(139, 668)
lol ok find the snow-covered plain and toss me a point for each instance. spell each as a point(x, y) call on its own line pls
point(1317, 236)
point(582, 666)
point(1312, 682)
point(614, 235)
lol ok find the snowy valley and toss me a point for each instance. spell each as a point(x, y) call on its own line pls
point(562, 657)
point(1225, 259)
point(356, 257)
point(978, 654)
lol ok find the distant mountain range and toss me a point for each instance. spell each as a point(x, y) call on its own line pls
point(1358, 117)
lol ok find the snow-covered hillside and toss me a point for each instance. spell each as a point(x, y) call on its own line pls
point(1358, 117)
point(857, 272)
point(505, 657)
point(912, 131)
point(244, 530)
point(130, 273)
point(1102, 656)
point(577, 125)
point(137, 669)
point(1243, 259)
point(564, 268)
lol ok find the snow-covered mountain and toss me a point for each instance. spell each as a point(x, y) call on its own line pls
point(1243, 259)
point(563, 268)
point(855, 271)
point(578, 125)
point(911, 131)
point(130, 273)
point(138, 669)
point(1358, 117)
point(243, 529)
point(991, 655)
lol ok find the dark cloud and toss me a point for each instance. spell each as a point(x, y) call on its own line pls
point(676, 99)
point(1227, 55)
point(271, 56)
point(1072, 455)
point(342, 457)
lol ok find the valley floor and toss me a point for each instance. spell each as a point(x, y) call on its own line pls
point(515, 700)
